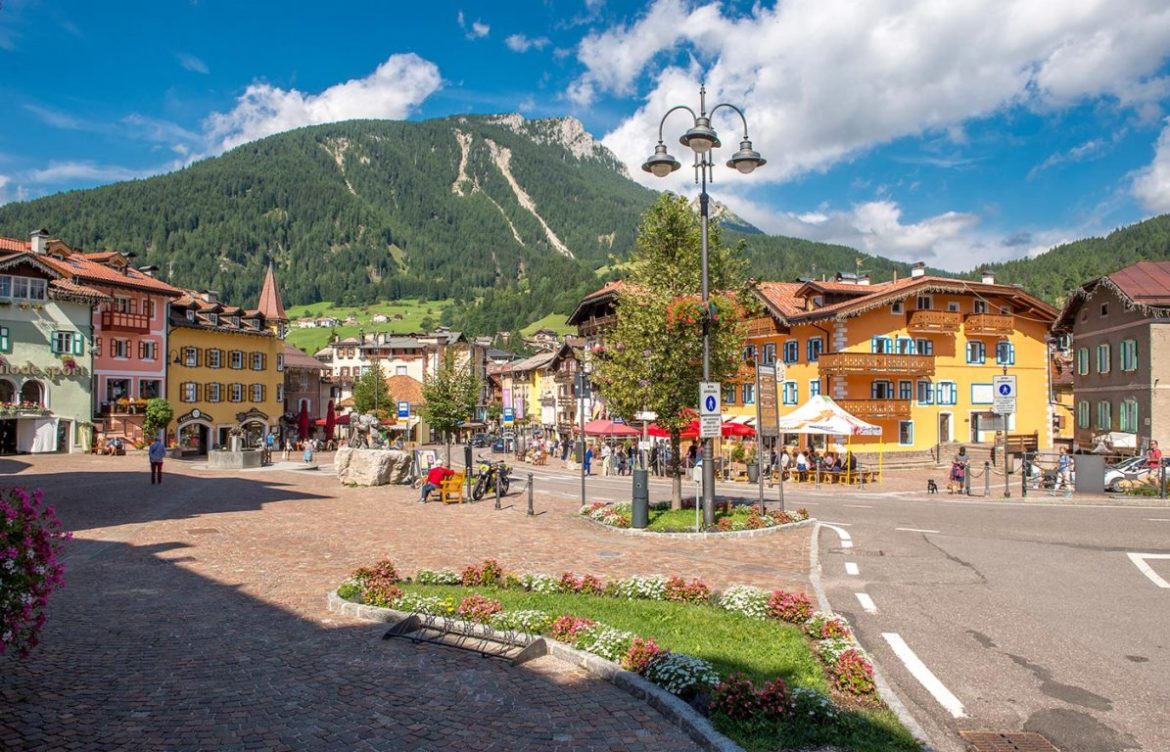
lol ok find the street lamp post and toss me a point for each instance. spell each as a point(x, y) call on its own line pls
point(702, 139)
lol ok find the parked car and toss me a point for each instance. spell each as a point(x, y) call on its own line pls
point(1131, 468)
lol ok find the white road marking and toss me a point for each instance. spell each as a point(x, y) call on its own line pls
point(851, 568)
point(914, 530)
point(837, 524)
point(1139, 561)
point(858, 506)
point(846, 539)
point(1158, 519)
point(924, 675)
point(866, 603)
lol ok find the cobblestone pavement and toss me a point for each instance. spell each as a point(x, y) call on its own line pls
point(194, 618)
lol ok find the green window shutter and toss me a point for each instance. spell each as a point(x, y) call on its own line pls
point(78, 344)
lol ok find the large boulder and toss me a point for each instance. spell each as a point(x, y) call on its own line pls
point(371, 467)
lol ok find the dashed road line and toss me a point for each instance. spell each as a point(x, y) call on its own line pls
point(851, 568)
point(858, 506)
point(914, 530)
point(1158, 519)
point(1139, 561)
point(867, 603)
point(846, 539)
point(924, 675)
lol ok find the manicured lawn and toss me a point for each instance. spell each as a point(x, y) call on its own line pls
point(410, 315)
point(733, 643)
point(683, 520)
point(554, 321)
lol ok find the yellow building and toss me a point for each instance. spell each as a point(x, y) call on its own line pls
point(226, 372)
point(914, 356)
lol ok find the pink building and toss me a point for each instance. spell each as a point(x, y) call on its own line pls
point(129, 333)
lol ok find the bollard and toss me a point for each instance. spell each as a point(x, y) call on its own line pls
point(1025, 471)
point(986, 479)
point(530, 512)
point(498, 476)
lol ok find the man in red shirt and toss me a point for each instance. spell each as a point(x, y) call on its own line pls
point(1153, 457)
point(435, 478)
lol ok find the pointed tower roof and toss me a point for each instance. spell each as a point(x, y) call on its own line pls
point(270, 303)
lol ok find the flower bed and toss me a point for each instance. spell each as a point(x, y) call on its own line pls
point(30, 570)
point(752, 660)
point(729, 517)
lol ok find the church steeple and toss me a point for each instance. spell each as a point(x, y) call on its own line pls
point(270, 304)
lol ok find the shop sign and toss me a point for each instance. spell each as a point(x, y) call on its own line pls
point(46, 372)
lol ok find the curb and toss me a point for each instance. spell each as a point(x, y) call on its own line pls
point(885, 691)
point(702, 536)
point(677, 712)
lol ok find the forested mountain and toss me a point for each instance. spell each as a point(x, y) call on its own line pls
point(512, 217)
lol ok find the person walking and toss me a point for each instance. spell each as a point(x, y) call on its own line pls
point(155, 454)
point(309, 447)
point(606, 458)
point(1063, 472)
point(588, 464)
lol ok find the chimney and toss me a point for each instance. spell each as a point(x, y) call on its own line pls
point(918, 270)
point(863, 279)
point(988, 277)
point(39, 240)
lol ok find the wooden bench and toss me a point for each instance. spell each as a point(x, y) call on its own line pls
point(451, 490)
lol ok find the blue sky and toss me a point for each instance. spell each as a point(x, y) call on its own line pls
point(953, 132)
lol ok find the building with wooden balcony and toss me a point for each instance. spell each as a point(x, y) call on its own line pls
point(915, 356)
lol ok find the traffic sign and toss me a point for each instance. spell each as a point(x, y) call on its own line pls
point(509, 416)
point(403, 410)
point(709, 400)
point(1004, 394)
point(710, 426)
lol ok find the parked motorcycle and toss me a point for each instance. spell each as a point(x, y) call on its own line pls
point(491, 472)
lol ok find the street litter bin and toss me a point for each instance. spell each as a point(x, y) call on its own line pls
point(641, 515)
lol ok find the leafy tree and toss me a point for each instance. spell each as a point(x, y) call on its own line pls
point(653, 359)
point(370, 392)
point(158, 416)
point(450, 397)
point(494, 411)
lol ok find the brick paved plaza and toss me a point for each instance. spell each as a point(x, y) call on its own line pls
point(194, 617)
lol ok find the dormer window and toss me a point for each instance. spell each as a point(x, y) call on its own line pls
point(213, 318)
point(234, 320)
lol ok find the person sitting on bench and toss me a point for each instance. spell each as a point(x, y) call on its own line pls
point(435, 478)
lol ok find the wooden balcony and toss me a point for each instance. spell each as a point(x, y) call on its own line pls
point(989, 325)
point(875, 363)
point(116, 321)
point(761, 326)
point(876, 408)
point(596, 325)
point(939, 322)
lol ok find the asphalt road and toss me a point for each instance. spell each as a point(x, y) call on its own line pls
point(1020, 615)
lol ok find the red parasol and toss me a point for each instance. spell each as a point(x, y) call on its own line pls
point(303, 422)
point(608, 428)
point(330, 421)
point(737, 429)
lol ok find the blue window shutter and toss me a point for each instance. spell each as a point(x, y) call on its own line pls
point(78, 344)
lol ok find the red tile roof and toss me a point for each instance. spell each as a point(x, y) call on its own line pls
point(296, 358)
point(1146, 282)
point(781, 296)
point(405, 389)
point(270, 303)
point(76, 290)
point(83, 268)
point(12, 244)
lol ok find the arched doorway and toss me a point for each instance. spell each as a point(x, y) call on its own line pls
point(33, 392)
point(7, 391)
point(254, 432)
point(193, 437)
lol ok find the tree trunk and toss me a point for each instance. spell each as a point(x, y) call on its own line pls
point(447, 440)
point(675, 475)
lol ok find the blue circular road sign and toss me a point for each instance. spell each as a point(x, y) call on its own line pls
point(710, 403)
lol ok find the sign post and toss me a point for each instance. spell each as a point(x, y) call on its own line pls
point(1004, 405)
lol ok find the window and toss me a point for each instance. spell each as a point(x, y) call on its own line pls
point(925, 392)
point(122, 305)
point(5, 340)
point(190, 391)
point(1083, 414)
point(947, 393)
point(399, 370)
point(280, 361)
point(236, 359)
point(897, 307)
point(147, 350)
point(257, 361)
point(191, 357)
point(1005, 353)
point(149, 388)
point(791, 393)
point(905, 432)
point(1105, 415)
point(236, 392)
point(905, 389)
point(881, 389)
point(905, 346)
point(280, 392)
point(791, 351)
point(749, 352)
point(881, 345)
point(1082, 360)
point(190, 315)
point(97, 346)
point(214, 358)
point(1005, 310)
point(815, 347)
point(1128, 416)
point(953, 307)
point(257, 392)
point(749, 394)
point(979, 306)
point(5, 286)
point(1104, 310)
point(814, 387)
point(214, 392)
point(67, 343)
point(976, 352)
point(924, 302)
point(924, 346)
point(769, 353)
point(120, 348)
point(344, 371)
point(729, 394)
point(1128, 354)
point(1103, 358)
point(23, 288)
point(148, 308)
point(213, 318)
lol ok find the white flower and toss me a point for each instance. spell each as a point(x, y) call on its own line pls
point(679, 674)
point(652, 588)
point(746, 600)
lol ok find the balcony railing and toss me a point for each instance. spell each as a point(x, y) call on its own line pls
point(991, 325)
point(876, 363)
point(117, 321)
point(876, 408)
point(947, 322)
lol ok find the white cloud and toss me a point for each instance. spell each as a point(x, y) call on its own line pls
point(1094, 148)
point(392, 91)
point(1151, 184)
point(4, 181)
point(521, 43)
point(70, 171)
point(192, 63)
point(478, 28)
point(824, 80)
